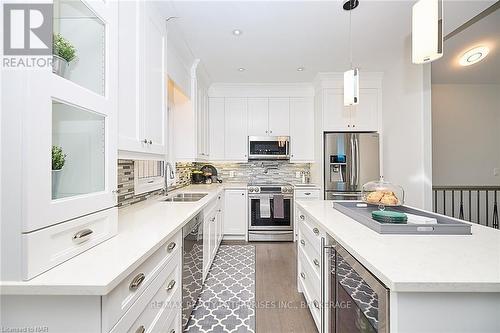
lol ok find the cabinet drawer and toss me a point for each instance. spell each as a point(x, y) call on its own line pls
point(154, 307)
point(127, 292)
point(46, 248)
point(310, 231)
point(314, 303)
point(308, 274)
point(312, 194)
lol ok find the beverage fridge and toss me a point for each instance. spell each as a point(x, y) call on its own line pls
point(351, 159)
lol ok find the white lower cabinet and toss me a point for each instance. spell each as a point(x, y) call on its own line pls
point(235, 213)
point(212, 232)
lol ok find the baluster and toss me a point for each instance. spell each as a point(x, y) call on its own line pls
point(495, 212)
point(452, 203)
point(444, 202)
point(470, 206)
point(487, 212)
point(435, 201)
point(461, 214)
point(478, 209)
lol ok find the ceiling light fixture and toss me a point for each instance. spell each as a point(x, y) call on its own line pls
point(427, 31)
point(474, 55)
point(237, 32)
point(241, 69)
point(300, 69)
point(351, 77)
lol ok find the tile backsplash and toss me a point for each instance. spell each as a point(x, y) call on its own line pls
point(228, 172)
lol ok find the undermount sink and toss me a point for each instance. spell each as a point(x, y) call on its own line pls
point(186, 197)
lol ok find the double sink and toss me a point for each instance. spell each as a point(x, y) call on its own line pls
point(186, 197)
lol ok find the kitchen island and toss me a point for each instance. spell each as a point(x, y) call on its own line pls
point(436, 283)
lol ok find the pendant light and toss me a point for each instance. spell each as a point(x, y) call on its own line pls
point(427, 31)
point(351, 77)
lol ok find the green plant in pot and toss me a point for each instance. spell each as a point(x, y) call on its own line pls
point(58, 160)
point(63, 52)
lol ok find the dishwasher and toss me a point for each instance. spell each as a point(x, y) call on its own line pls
point(192, 265)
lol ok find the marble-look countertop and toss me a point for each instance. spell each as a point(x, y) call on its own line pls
point(142, 229)
point(416, 263)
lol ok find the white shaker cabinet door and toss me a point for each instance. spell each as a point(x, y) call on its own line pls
point(279, 116)
point(216, 128)
point(154, 91)
point(235, 212)
point(258, 116)
point(236, 137)
point(302, 129)
point(336, 116)
point(365, 115)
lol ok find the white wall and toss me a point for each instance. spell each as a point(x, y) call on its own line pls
point(405, 125)
point(466, 134)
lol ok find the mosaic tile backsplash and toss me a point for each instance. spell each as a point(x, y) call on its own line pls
point(241, 173)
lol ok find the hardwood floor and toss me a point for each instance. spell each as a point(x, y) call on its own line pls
point(280, 307)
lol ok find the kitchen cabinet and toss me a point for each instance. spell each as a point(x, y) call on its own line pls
point(268, 116)
point(203, 124)
point(235, 213)
point(361, 117)
point(301, 129)
point(142, 85)
point(212, 232)
point(235, 129)
point(216, 128)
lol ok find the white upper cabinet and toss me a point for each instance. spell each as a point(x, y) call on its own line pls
point(216, 128)
point(361, 117)
point(258, 116)
point(279, 116)
point(142, 75)
point(302, 129)
point(236, 138)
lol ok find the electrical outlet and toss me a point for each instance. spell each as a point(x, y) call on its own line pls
point(231, 173)
point(297, 174)
point(496, 171)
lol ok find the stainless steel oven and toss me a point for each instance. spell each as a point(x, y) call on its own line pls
point(356, 301)
point(268, 148)
point(270, 212)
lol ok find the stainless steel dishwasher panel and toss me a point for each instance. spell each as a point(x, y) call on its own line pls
point(192, 265)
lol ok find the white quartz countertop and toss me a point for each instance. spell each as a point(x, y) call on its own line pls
point(416, 263)
point(142, 229)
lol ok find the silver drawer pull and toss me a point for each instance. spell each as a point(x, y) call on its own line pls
point(316, 231)
point(136, 282)
point(82, 235)
point(172, 331)
point(303, 275)
point(307, 193)
point(316, 262)
point(302, 217)
point(141, 329)
point(212, 219)
point(303, 242)
point(316, 304)
point(170, 285)
point(171, 247)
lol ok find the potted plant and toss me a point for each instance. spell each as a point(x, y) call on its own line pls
point(63, 52)
point(58, 160)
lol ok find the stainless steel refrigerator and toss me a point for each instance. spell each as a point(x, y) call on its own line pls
point(351, 159)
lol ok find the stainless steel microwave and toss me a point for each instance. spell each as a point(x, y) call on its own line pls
point(268, 148)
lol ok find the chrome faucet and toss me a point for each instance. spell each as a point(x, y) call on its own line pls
point(169, 174)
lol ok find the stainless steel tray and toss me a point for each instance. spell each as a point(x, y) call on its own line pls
point(445, 225)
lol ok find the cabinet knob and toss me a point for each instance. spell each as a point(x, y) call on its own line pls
point(302, 217)
point(348, 125)
point(137, 281)
point(316, 231)
point(316, 262)
point(316, 304)
point(353, 125)
point(266, 132)
point(170, 285)
point(150, 142)
point(171, 247)
point(140, 329)
point(270, 131)
point(303, 242)
point(145, 141)
point(303, 275)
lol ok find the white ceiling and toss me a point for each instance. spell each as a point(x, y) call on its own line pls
point(279, 36)
point(484, 32)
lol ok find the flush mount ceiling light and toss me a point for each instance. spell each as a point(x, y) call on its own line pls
point(474, 55)
point(427, 31)
point(351, 77)
point(237, 32)
point(300, 69)
point(241, 69)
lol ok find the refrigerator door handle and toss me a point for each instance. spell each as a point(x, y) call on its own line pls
point(357, 166)
point(353, 161)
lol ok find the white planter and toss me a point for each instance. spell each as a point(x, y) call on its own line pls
point(59, 65)
point(56, 178)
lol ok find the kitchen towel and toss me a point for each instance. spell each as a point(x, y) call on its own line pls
point(265, 206)
point(278, 206)
point(418, 219)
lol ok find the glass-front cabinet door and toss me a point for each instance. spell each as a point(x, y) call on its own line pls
point(70, 118)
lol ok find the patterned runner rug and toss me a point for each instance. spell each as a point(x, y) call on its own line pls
point(227, 301)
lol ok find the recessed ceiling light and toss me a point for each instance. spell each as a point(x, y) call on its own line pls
point(241, 69)
point(300, 69)
point(474, 55)
point(237, 32)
